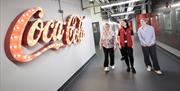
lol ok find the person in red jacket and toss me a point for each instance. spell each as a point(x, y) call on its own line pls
point(126, 41)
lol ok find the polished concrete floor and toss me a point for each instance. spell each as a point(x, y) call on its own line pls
point(93, 78)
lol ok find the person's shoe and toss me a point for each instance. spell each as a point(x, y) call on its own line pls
point(158, 72)
point(106, 69)
point(128, 69)
point(123, 58)
point(112, 67)
point(133, 70)
point(148, 68)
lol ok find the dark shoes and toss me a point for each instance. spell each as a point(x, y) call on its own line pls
point(123, 58)
point(132, 69)
point(128, 69)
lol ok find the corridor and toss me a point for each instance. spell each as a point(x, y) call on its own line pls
point(53, 45)
point(93, 77)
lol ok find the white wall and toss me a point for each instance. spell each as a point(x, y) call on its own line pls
point(53, 68)
point(97, 17)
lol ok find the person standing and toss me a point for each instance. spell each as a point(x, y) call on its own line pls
point(126, 45)
point(107, 42)
point(146, 34)
point(121, 51)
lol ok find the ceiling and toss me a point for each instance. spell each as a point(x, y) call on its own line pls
point(162, 3)
point(107, 12)
point(116, 9)
point(123, 7)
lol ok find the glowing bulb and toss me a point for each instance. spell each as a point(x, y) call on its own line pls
point(39, 53)
point(22, 20)
point(15, 55)
point(18, 55)
point(11, 37)
point(15, 37)
point(29, 57)
point(15, 46)
point(24, 57)
point(17, 28)
point(27, 14)
point(29, 11)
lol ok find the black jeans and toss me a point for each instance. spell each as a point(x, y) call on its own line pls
point(122, 53)
point(107, 52)
point(128, 54)
point(151, 51)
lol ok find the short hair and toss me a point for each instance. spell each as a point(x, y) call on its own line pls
point(145, 19)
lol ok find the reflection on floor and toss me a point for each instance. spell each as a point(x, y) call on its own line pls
point(93, 78)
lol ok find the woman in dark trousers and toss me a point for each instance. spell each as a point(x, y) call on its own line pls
point(146, 34)
point(126, 44)
point(121, 50)
point(107, 42)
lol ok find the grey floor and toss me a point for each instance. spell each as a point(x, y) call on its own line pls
point(93, 78)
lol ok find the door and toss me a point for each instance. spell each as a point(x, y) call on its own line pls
point(96, 32)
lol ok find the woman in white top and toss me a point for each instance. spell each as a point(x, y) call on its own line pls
point(146, 34)
point(107, 42)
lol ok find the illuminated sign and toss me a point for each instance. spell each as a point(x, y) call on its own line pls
point(27, 29)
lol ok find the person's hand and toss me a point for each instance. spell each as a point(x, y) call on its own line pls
point(143, 45)
point(151, 45)
point(119, 46)
point(115, 47)
point(117, 42)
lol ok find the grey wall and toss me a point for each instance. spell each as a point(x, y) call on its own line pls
point(53, 68)
point(169, 31)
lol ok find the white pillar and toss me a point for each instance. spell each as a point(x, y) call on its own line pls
point(134, 25)
point(143, 8)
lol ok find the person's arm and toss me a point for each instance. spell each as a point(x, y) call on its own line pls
point(132, 36)
point(100, 40)
point(118, 39)
point(153, 39)
point(114, 38)
point(143, 43)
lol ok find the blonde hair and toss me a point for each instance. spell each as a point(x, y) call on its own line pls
point(106, 24)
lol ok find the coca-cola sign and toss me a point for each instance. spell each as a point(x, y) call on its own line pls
point(28, 28)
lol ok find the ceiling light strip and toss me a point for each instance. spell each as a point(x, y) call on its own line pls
point(126, 13)
point(120, 3)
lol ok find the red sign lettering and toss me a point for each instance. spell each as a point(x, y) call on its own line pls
point(28, 29)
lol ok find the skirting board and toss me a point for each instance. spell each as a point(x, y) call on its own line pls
point(168, 48)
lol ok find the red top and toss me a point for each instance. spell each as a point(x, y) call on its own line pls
point(128, 36)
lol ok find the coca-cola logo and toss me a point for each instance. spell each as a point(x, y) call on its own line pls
point(27, 29)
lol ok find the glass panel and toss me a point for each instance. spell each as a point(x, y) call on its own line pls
point(167, 19)
point(160, 20)
point(178, 19)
